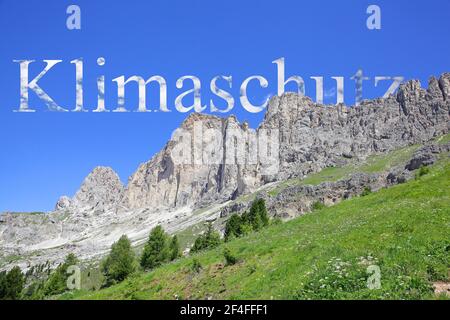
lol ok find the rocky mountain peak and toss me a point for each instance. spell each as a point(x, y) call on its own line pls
point(101, 190)
point(196, 117)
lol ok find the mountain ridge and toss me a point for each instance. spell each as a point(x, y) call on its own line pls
point(147, 179)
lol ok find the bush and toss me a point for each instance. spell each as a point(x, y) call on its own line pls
point(366, 192)
point(230, 259)
point(276, 221)
point(317, 206)
point(120, 263)
point(156, 250)
point(262, 211)
point(196, 265)
point(245, 229)
point(422, 171)
point(209, 240)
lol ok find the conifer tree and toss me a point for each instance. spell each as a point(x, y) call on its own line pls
point(175, 251)
point(120, 263)
point(156, 250)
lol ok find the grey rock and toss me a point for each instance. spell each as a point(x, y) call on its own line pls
point(100, 191)
point(425, 156)
point(64, 203)
point(444, 84)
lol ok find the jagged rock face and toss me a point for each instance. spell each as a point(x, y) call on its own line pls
point(165, 182)
point(444, 85)
point(311, 137)
point(100, 191)
point(64, 203)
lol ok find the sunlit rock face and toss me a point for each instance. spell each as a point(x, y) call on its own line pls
point(164, 182)
point(100, 191)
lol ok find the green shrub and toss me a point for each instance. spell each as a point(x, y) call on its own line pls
point(196, 265)
point(366, 191)
point(422, 171)
point(276, 221)
point(262, 211)
point(230, 259)
point(245, 229)
point(317, 206)
point(2, 284)
point(257, 216)
point(120, 263)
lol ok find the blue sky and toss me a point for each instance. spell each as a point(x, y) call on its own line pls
point(48, 154)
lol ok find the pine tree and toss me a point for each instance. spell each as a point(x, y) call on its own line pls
point(254, 216)
point(15, 282)
point(174, 248)
point(199, 244)
point(156, 250)
point(2, 284)
point(57, 282)
point(120, 263)
point(209, 240)
point(212, 237)
point(263, 212)
point(233, 227)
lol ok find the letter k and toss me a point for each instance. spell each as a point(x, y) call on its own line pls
point(25, 85)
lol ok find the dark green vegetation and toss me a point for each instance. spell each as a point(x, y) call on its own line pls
point(159, 249)
point(403, 230)
point(120, 262)
point(253, 220)
point(11, 284)
point(210, 239)
point(57, 281)
point(38, 282)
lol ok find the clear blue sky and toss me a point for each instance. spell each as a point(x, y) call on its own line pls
point(48, 154)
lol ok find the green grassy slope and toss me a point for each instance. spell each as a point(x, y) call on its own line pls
point(405, 230)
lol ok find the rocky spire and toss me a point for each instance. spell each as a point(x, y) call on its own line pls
point(101, 190)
